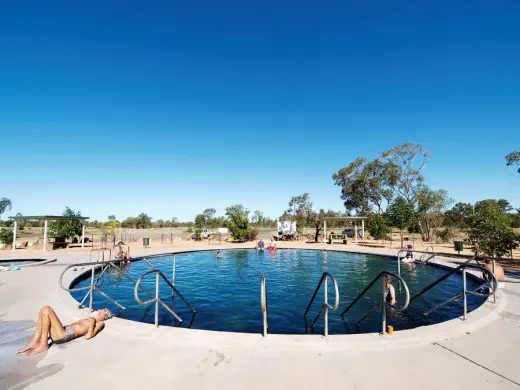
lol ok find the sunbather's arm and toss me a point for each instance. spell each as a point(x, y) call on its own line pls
point(94, 328)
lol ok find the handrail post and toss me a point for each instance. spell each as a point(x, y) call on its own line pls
point(464, 294)
point(383, 307)
point(174, 267)
point(326, 306)
point(91, 289)
point(156, 299)
point(494, 290)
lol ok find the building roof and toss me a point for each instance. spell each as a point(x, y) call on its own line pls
point(342, 218)
point(46, 217)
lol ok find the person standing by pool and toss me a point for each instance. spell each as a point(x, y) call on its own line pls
point(389, 291)
point(49, 324)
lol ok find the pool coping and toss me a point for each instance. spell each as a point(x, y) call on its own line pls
point(481, 316)
point(35, 263)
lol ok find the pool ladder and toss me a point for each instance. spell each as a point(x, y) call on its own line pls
point(325, 307)
point(382, 275)
point(104, 265)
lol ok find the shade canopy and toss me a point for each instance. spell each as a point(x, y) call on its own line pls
point(46, 218)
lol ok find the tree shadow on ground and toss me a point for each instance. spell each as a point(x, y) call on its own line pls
point(17, 372)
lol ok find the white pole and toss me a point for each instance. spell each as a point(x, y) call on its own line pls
point(325, 231)
point(14, 234)
point(45, 236)
point(363, 228)
point(82, 234)
point(355, 231)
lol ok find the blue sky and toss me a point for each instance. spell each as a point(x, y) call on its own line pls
point(170, 107)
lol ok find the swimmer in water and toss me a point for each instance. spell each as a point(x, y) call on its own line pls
point(219, 254)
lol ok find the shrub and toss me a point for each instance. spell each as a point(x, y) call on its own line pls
point(377, 226)
point(6, 236)
point(446, 235)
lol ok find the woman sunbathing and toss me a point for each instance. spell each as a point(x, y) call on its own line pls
point(49, 324)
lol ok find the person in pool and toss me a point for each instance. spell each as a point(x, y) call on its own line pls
point(49, 324)
point(389, 291)
point(409, 255)
point(260, 245)
point(219, 254)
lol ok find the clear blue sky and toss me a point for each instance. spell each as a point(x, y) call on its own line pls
point(169, 107)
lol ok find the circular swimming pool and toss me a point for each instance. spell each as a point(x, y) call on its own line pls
point(226, 292)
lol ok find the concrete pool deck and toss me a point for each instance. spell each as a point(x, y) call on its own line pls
point(476, 354)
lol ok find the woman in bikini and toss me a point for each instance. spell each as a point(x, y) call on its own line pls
point(49, 325)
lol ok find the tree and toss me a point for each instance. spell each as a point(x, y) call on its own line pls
point(490, 230)
point(405, 163)
point(300, 210)
point(377, 226)
point(513, 158)
point(6, 236)
point(401, 214)
point(366, 185)
point(460, 215)
point(66, 228)
point(143, 221)
point(238, 223)
point(5, 204)
point(111, 217)
point(430, 207)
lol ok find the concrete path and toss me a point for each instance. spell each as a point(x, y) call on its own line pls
point(478, 354)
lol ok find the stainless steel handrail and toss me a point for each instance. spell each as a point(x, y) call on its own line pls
point(263, 303)
point(101, 251)
point(93, 282)
point(156, 299)
point(492, 284)
point(383, 303)
point(325, 307)
point(399, 258)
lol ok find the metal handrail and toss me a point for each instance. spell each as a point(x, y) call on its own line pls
point(325, 307)
point(263, 303)
point(156, 299)
point(93, 283)
point(492, 284)
point(102, 252)
point(383, 303)
point(399, 258)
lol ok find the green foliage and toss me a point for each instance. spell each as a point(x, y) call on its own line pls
point(238, 223)
point(400, 213)
point(430, 210)
point(405, 162)
point(513, 158)
point(5, 204)
point(446, 235)
point(460, 215)
point(142, 221)
point(300, 210)
point(66, 228)
point(490, 230)
point(368, 186)
point(377, 226)
point(6, 236)
point(365, 185)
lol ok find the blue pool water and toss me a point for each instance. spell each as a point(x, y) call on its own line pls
point(226, 292)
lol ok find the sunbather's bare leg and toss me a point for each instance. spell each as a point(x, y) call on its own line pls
point(36, 339)
point(49, 323)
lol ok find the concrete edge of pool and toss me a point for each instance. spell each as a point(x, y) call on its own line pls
point(481, 316)
point(478, 354)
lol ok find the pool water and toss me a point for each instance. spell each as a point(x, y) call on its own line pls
point(226, 292)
